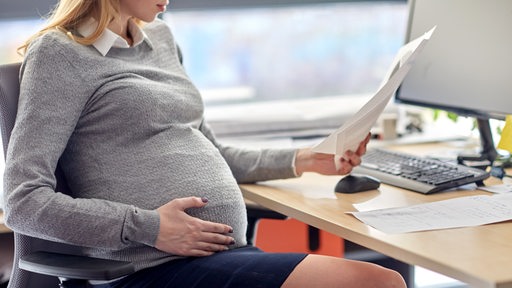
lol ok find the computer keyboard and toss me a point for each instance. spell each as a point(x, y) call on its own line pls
point(416, 173)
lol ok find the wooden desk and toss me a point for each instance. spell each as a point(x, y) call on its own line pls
point(3, 228)
point(479, 256)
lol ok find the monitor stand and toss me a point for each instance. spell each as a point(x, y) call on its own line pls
point(488, 153)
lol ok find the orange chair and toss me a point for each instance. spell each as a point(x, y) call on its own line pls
point(291, 235)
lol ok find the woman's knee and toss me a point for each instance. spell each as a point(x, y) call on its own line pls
point(389, 278)
point(326, 271)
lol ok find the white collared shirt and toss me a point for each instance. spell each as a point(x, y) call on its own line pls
point(110, 39)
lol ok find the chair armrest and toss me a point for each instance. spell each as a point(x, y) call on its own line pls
point(74, 267)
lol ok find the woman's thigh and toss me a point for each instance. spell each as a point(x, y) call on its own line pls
point(242, 267)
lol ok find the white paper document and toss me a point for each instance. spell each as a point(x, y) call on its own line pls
point(499, 188)
point(352, 132)
point(453, 213)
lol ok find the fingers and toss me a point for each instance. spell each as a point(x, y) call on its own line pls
point(213, 227)
point(216, 242)
point(201, 244)
point(185, 235)
point(352, 158)
point(190, 202)
point(208, 245)
point(345, 167)
point(197, 202)
point(348, 162)
point(361, 150)
point(206, 248)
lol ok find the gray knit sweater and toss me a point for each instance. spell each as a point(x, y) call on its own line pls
point(129, 131)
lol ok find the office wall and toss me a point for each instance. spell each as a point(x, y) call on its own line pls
point(24, 9)
point(35, 8)
point(209, 4)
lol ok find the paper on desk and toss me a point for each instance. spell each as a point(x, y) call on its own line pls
point(453, 213)
point(498, 188)
point(352, 132)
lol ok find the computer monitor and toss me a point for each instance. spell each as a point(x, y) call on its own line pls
point(466, 67)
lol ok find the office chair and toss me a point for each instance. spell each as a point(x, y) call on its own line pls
point(42, 263)
point(55, 264)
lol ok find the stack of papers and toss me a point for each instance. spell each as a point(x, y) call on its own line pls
point(352, 132)
point(453, 213)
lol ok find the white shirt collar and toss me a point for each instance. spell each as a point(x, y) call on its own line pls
point(110, 39)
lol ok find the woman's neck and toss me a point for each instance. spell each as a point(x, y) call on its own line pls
point(120, 27)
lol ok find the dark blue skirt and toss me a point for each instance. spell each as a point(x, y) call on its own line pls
point(242, 267)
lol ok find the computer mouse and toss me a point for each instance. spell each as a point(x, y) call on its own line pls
point(356, 183)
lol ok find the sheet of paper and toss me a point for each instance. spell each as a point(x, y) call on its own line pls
point(453, 213)
point(499, 188)
point(353, 131)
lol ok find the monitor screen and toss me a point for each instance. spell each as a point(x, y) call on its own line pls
point(467, 65)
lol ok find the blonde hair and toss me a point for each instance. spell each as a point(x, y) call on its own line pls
point(68, 15)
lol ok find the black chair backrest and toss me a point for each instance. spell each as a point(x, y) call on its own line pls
point(23, 244)
point(9, 91)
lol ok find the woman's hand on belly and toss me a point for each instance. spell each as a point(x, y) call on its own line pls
point(184, 235)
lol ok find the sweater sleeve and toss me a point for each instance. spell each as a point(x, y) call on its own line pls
point(252, 165)
point(53, 94)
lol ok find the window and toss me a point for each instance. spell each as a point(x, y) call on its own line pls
point(14, 33)
point(289, 52)
point(259, 64)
